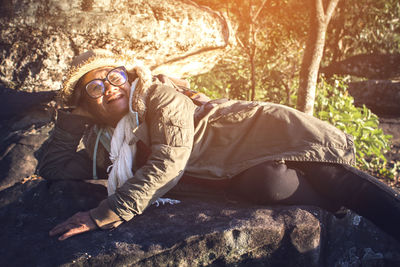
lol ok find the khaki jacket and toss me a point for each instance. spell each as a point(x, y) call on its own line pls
point(215, 141)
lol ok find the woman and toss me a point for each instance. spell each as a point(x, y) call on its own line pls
point(263, 152)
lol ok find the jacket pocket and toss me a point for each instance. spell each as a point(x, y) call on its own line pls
point(176, 127)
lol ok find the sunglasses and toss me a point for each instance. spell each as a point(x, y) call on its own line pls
point(117, 77)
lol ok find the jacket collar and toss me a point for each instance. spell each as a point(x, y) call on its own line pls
point(139, 99)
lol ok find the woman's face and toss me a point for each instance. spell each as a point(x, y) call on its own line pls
point(111, 106)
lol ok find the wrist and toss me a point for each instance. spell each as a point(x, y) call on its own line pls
point(72, 123)
point(104, 217)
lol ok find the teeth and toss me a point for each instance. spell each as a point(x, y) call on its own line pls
point(115, 97)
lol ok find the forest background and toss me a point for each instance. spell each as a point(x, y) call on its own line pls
point(271, 62)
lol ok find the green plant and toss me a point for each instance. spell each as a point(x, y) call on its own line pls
point(335, 105)
point(202, 84)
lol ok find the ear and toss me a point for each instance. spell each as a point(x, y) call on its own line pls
point(83, 102)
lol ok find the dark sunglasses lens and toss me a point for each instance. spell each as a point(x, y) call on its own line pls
point(95, 88)
point(117, 77)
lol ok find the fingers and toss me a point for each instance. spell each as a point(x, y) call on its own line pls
point(62, 227)
point(66, 225)
point(74, 231)
point(77, 224)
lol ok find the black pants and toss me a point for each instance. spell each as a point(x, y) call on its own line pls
point(326, 185)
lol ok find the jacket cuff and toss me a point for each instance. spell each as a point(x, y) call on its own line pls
point(104, 217)
point(72, 123)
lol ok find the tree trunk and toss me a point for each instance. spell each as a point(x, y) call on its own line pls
point(252, 55)
point(313, 54)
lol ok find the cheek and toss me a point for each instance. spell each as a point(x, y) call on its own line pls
point(126, 88)
point(95, 107)
point(99, 102)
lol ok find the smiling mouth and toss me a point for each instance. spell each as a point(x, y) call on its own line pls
point(114, 97)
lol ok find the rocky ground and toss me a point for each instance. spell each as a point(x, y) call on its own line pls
point(391, 125)
point(195, 232)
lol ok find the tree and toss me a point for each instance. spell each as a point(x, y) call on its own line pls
point(322, 12)
point(265, 62)
point(250, 46)
point(363, 27)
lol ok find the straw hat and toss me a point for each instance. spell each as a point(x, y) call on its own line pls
point(89, 61)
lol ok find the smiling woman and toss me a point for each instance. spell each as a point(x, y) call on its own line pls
point(105, 98)
point(158, 140)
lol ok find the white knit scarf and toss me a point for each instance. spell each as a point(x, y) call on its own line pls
point(122, 154)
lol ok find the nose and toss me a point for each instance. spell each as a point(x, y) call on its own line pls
point(110, 89)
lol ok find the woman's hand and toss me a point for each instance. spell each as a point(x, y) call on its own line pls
point(79, 223)
point(82, 111)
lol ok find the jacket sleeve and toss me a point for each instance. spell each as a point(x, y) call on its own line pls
point(60, 159)
point(169, 116)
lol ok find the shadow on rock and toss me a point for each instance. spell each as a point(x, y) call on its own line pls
point(25, 125)
point(28, 211)
point(14, 102)
point(195, 232)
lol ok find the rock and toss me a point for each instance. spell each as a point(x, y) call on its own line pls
point(371, 66)
point(13, 102)
point(381, 96)
point(391, 126)
point(196, 232)
point(355, 241)
point(19, 158)
point(22, 136)
point(39, 38)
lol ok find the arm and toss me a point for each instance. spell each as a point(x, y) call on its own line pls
point(60, 159)
point(171, 129)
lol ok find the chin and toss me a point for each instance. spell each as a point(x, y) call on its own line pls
point(112, 117)
point(118, 108)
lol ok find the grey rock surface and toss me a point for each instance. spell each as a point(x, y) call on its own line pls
point(40, 37)
point(25, 125)
point(381, 96)
point(371, 66)
point(196, 232)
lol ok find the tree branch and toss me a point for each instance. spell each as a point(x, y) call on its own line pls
point(259, 9)
point(240, 42)
point(319, 7)
point(330, 9)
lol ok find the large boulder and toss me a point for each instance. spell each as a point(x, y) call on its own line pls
point(381, 96)
point(195, 232)
point(25, 125)
point(40, 37)
point(371, 66)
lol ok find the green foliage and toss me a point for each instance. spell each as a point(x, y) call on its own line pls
point(368, 26)
point(202, 84)
point(335, 105)
point(275, 78)
point(279, 30)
